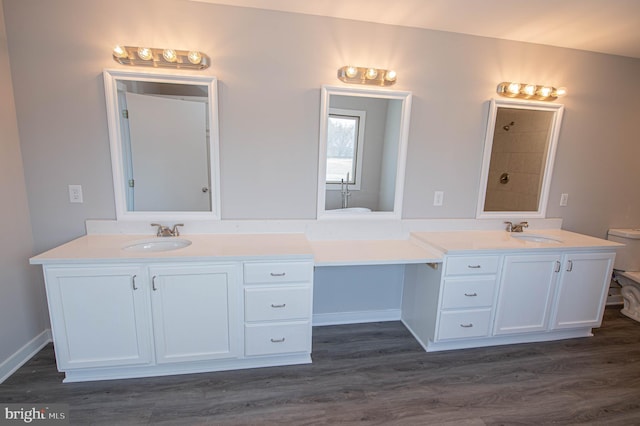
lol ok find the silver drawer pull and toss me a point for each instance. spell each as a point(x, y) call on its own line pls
point(278, 306)
point(276, 274)
point(277, 340)
point(569, 265)
point(471, 294)
point(466, 325)
point(474, 266)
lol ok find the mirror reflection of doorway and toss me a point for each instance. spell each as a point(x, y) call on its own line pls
point(169, 154)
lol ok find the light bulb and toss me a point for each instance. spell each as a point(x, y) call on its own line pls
point(194, 57)
point(351, 71)
point(144, 53)
point(372, 73)
point(120, 52)
point(513, 88)
point(545, 91)
point(390, 75)
point(529, 89)
point(561, 91)
point(169, 55)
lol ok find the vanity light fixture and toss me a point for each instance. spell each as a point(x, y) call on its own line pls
point(530, 91)
point(361, 75)
point(169, 55)
point(144, 53)
point(154, 57)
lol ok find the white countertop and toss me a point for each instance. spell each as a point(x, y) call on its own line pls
point(207, 247)
point(92, 248)
point(422, 247)
point(466, 241)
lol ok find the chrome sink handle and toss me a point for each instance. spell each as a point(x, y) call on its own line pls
point(516, 228)
point(165, 231)
point(175, 232)
point(520, 227)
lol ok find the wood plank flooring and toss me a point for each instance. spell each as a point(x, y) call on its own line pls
point(373, 374)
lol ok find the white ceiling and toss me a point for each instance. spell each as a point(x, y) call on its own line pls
point(606, 26)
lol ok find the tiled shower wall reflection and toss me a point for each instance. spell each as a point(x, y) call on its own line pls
point(519, 152)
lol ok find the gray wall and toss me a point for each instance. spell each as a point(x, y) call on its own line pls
point(22, 309)
point(271, 66)
point(390, 154)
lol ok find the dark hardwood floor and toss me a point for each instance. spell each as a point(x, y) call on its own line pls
point(373, 374)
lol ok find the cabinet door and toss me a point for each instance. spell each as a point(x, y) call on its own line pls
point(583, 290)
point(99, 316)
point(526, 293)
point(195, 312)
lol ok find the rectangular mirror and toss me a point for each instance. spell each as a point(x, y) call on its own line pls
point(519, 151)
point(163, 131)
point(363, 145)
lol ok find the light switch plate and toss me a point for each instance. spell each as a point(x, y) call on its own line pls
point(564, 199)
point(438, 198)
point(75, 194)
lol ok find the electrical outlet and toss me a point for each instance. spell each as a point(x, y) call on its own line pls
point(564, 198)
point(75, 194)
point(438, 198)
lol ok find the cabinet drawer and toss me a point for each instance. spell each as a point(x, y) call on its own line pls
point(269, 304)
point(267, 339)
point(277, 272)
point(464, 324)
point(468, 292)
point(470, 265)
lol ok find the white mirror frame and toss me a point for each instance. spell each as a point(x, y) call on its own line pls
point(405, 97)
point(554, 132)
point(111, 94)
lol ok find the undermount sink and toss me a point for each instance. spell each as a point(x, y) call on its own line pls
point(537, 238)
point(157, 244)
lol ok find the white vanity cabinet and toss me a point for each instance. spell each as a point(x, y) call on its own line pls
point(195, 312)
point(526, 293)
point(498, 297)
point(277, 307)
point(123, 320)
point(99, 315)
point(468, 290)
point(552, 291)
point(126, 305)
point(582, 291)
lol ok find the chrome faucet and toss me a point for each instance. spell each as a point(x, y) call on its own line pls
point(516, 228)
point(165, 231)
point(344, 191)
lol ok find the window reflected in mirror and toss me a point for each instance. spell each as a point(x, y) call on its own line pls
point(345, 145)
point(363, 142)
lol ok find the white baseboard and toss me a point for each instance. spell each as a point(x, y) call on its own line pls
point(338, 318)
point(24, 354)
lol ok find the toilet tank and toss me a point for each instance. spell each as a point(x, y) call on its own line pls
point(627, 257)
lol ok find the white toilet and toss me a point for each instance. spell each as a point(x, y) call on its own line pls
point(627, 269)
